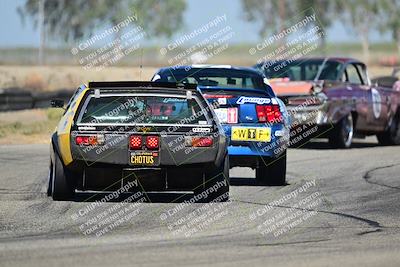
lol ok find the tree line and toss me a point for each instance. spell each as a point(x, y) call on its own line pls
point(72, 20)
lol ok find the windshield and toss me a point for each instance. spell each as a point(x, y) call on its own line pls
point(214, 78)
point(301, 71)
point(142, 109)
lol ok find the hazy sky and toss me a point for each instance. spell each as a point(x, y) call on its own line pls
point(199, 12)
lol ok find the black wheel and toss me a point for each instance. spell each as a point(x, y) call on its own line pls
point(272, 171)
point(62, 187)
point(216, 186)
point(392, 135)
point(50, 183)
point(341, 136)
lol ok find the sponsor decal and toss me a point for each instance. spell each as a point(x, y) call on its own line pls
point(86, 128)
point(144, 129)
point(201, 130)
point(256, 100)
point(168, 100)
point(376, 103)
point(232, 115)
point(222, 101)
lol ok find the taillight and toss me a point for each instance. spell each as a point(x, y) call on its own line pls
point(89, 140)
point(277, 113)
point(152, 142)
point(262, 117)
point(201, 141)
point(268, 113)
point(135, 142)
point(217, 96)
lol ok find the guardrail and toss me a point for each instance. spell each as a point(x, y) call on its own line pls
point(17, 98)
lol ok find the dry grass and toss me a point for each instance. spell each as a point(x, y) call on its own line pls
point(28, 126)
point(50, 78)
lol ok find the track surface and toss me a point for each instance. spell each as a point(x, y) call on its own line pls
point(355, 221)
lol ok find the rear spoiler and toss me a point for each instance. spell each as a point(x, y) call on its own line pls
point(141, 84)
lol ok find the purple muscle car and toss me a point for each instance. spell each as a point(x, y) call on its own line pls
point(334, 98)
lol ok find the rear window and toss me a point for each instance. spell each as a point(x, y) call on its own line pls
point(142, 110)
point(301, 70)
point(215, 78)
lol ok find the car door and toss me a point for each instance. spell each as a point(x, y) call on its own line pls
point(377, 102)
point(356, 93)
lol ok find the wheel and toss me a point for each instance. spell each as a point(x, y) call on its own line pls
point(50, 183)
point(392, 135)
point(272, 171)
point(62, 187)
point(216, 187)
point(341, 135)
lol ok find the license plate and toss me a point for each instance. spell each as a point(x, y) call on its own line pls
point(227, 115)
point(261, 134)
point(145, 158)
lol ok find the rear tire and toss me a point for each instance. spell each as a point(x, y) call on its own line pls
point(342, 133)
point(62, 187)
point(216, 181)
point(272, 171)
point(392, 135)
point(50, 183)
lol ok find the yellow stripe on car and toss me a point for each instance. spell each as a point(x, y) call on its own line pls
point(64, 129)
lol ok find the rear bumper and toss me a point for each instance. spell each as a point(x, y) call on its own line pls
point(274, 148)
point(248, 151)
point(310, 114)
point(251, 155)
point(110, 177)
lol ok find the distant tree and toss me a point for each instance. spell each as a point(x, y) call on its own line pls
point(157, 17)
point(389, 19)
point(66, 20)
point(325, 11)
point(272, 14)
point(70, 20)
point(363, 16)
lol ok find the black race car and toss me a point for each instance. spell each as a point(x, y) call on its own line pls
point(139, 136)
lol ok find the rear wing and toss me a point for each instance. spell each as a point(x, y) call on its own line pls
point(142, 84)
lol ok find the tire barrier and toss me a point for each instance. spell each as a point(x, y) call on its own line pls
point(42, 99)
point(18, 99)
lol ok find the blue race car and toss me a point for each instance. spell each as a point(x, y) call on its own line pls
point(255, 120)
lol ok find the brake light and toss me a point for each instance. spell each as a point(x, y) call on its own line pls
point(268, 113)
point(202, 141)
point(89, 140)
point(135, 142)
point(262, 117)
point(152, 142)
point(217, 96)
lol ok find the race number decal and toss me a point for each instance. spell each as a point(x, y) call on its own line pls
point(376, 103)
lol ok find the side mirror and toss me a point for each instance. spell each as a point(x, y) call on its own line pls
point(57, 103)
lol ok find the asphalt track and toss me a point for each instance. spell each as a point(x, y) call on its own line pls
point(340, 208)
